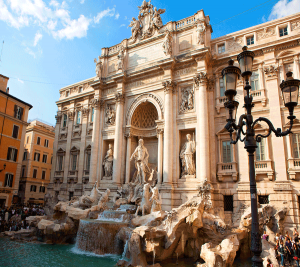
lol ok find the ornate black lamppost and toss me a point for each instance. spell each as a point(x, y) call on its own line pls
point(290, 92)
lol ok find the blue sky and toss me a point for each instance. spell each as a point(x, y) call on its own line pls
point(49, 44)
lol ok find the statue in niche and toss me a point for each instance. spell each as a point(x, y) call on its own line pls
point(110, 115)
point(141, 156)
point(167, 44)
point(98, 67)
point(135, 28)
point(121, 58)
point(187, 156)
point(201, 29)
point(157, 22)
point(187, 99)
point(108, 162)
point(155, 200)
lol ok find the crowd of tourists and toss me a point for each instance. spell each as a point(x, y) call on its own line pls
point(287, 249)
point(14, 218)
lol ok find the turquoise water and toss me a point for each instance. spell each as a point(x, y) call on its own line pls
point(21, 254)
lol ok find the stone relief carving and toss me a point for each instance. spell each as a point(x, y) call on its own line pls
point(94, 102)
point(119, 97)
point(110, 115)
point(85, 112)
point(121, 58)
point(167, 44)
point(187, 99)
point(187, 156)
point(271, 71)
point(266, 33)
point(201, 29)
point(148, 21)
point(99, 66)
point(108, 163)
point(295, 25)
point(169, 86)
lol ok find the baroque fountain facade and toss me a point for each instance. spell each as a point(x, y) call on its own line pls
point(141, 148)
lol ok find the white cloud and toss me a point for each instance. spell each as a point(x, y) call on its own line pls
point(122, 25)
point(284, 8)
point(51, 25)
point(54, 3)
point(20, 81)
point(104, 13)
point(117, 16)
point(82, 1)
point(75, 28)
point(5, 15)
point(37, 37)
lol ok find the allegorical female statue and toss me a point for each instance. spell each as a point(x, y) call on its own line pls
point(108, 162)
point(187, 157)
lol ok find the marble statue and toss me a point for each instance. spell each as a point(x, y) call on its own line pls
point(201, 29)
point(141, 156)
point(135, 28)
point(99, 66)
point(102, 204)
point(155, 200)
point(157, 22)
point(108, 162)
point(121, 59)
point(167, 44)
point(145, 205)
point(187, 157)
point(110, 115)
point(187, 99)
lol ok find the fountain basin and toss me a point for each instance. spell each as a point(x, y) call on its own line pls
point(99, 236)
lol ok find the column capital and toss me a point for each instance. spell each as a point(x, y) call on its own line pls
point(71, 114)
point(85, 112)
point(119, 97)
point(58, 117)
point(271, 71)
point(159, 131)
point(296, 57)
point(169, 86)
point(202, 78)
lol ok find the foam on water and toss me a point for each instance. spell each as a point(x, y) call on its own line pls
point(78, 251)
point(105, 219)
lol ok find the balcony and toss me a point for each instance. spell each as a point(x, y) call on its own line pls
point(73, 173)
point(59, 173)
point(76, 130)
point(227, 169)
point(220, 103)
point(72, 180)
point(293, 168)
point(264, 167)
point(259, 96)
point(58, 180)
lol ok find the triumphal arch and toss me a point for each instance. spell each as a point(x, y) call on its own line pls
point(154, 112)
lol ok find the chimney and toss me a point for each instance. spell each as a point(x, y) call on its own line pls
point(7, 90)
point(3, 82)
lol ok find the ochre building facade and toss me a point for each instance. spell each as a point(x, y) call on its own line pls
point(13, 123)
point(164, 85)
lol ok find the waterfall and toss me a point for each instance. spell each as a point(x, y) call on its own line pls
point(125, 250)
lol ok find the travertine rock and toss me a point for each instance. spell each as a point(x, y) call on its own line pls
point(152, 219)
point(42, 225)
point(76, 213)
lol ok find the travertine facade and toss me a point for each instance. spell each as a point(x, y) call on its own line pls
point(164, 83)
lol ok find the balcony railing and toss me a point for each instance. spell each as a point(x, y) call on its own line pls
point(185, 22)
point(293, 167)
point(227, 169)
point(264, 167)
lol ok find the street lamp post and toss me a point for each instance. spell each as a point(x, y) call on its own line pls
point(290, 92)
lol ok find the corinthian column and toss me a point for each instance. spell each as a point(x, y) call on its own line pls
point(117, 163)
point(296, 74)
point(160, 155)
point(202, 131)
point(168, 132)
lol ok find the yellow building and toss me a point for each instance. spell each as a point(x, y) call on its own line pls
point(37, 162)
point(13, 122)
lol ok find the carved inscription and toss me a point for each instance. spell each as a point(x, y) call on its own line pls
point(109, 91)
point(184, 72)
point(139, 83)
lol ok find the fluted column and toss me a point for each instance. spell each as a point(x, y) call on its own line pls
point(261, 77)
point(296, 74)
point(95, 140)
point(128, 155)
point(117, 163)
point(202, 131)
point(55, 144)
point(168, 132)
point(160, 156)
point(100, 143)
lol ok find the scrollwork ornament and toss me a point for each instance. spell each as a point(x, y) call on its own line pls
point(200, 78)
point(119, 97)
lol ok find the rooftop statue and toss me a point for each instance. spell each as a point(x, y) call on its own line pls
point(99, 65)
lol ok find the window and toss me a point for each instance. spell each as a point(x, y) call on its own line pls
point(260, 150)
point(67, 93)
point(288, 67)
point(255, 81)
point(12, 154)
point(25, 155)
point(18, 112)
point(60, 163)
point(226, 146)
point(42, 189)
point(43, 175)
point(46, 144)
point(8, 180)
point(92, 115)
point(65, 118)
point(33, 188)
point(296, 145)
point(15, 131)
point(88, 161)
point(263, 199)
point(44, 158)
point(27, 140)
point(222, 87)
point(34, 173)
point(228, 203)
point(250, 40)
point(283, 31)
point(36, 156)
point(71, 194)
point(23, 171)
point(80, 90)
point(38, 141)
point(221, 48)
point(74, 162)
point(78, 117)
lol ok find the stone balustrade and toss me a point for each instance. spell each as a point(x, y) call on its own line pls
point(264, 167)
point(228, 169)
point(293, 167)
point(185, 22)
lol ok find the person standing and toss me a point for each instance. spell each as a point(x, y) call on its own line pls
point(296, 254)
point(281, 253)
